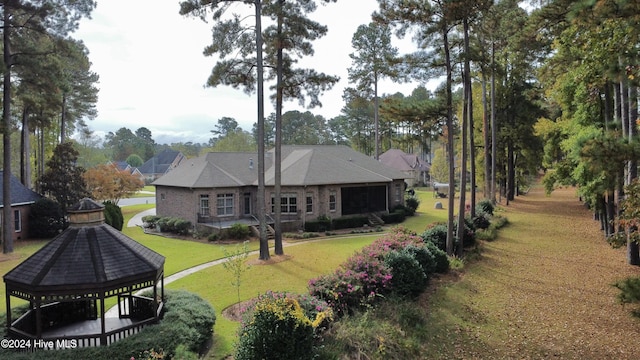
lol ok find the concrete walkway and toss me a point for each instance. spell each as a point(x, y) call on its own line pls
point(136, 220)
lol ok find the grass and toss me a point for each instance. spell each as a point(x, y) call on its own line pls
point(542, 289)
point(308, 259)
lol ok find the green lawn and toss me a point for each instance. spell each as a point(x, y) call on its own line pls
point(307, 259)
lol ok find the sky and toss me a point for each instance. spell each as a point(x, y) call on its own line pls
point(152, 70)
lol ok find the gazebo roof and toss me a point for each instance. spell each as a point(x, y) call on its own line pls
point(86, 258)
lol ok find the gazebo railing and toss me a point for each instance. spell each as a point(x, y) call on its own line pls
point(78, 340)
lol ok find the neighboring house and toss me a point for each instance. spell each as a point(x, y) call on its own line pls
point(124, 166)
point(416, 170)
point(21, 200)
point(160, 164)
point(221, 188)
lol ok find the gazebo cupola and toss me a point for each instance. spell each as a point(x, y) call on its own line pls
point(67, 281)
point(86, 213)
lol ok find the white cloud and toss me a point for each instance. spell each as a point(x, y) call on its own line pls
point(152, 70)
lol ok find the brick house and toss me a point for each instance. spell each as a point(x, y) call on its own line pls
point(21, 200)
point(323, 180)
point(415, 169)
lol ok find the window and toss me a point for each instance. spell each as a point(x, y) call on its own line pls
point(398, 193)
point(163, 196)
point(225, 204)
point(288, 204)
point(309, 203)
point(204, 205)
point(332, 201)
point(17, 220)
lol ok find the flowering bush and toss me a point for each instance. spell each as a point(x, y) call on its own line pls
point(357, 283)
point(315, 309)
point(277, 329)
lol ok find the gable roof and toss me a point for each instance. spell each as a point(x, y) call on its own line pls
point(20, 194)
point(160, 163)
point(402, 161)
point(329, 164)
point(301, 165)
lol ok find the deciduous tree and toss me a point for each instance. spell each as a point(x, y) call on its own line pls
point(108, 183)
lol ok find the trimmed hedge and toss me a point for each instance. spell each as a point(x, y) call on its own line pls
point(395, 217)
point(321, 224)
point(349, 222)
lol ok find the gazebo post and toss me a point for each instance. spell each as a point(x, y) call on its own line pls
point(8, 302)
point(38, 318)
point(155, 299)
point(103, 338)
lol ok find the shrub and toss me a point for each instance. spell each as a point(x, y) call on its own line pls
point(396, 217)
point(238, 231)
point(412, 204)
point(424, 257)
point(318, 311)
point(481, 221)
point(349, 222)
point(629, 290)
point(469, 236)
point(113, 215)
point(357, 283)
point(321, 224)
point(213, 237)
point(440, 258)
point(437, 235)
point(498, 222)
point(485, 206)
point(277, 329)
point(46, 219)
point(181, 226)
point(408, 277)
point(150, 221)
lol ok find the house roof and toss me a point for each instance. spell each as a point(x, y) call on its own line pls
point(85, 259)
point(122, 165)
point(160, 163)
point(301, 165)
point(20, 194)
point(402, 161)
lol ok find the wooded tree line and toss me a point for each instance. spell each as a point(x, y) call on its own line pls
point(521, 81)
point(48, 86)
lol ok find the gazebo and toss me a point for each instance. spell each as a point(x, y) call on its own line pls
point(67, 281)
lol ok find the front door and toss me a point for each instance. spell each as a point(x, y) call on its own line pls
point(247, 203)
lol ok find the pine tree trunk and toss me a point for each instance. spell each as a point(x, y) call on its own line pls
point(264, 244)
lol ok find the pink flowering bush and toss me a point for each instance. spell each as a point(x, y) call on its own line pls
point(397, 239)
point(358, 282)
point(369, 273)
